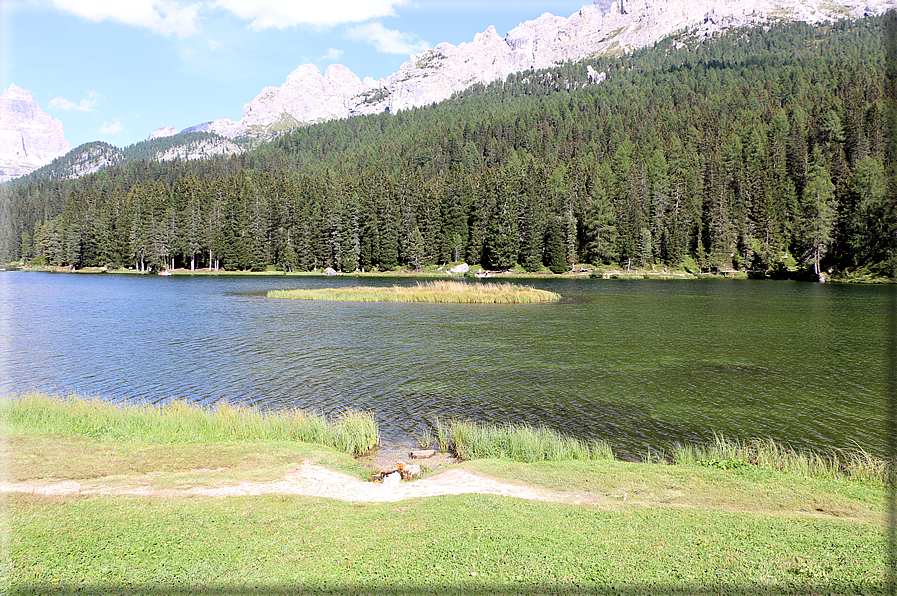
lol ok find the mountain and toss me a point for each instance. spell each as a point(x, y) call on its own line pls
point(29, 138)
point(308, 97)
point(763, 149)
point(92, 157)
point(614, 28)
point(165, 131)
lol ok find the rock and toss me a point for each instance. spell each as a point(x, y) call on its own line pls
point(200, 149)
point(392, 480)
point(330, 271)
point(29, 138)
point(594, 75)
point(462, 268)
point(410, 472)
point(434, 75)
point(159, 133)
point(424, 454)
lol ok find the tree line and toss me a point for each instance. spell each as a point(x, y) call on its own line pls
point(759, 149)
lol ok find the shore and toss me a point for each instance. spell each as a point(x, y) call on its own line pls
point(177, 501)
point(279, 518)
point(441, 272)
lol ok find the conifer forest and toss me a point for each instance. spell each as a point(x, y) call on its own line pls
point(759, 150)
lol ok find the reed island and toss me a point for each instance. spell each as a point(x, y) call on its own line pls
point(449, 292)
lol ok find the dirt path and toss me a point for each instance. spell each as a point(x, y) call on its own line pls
point(307, 480)
point(316, 481)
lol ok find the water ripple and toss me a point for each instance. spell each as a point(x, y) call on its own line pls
point(642, 364)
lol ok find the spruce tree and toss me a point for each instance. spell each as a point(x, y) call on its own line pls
point(818, 213)
point(555, 255)
point(502, 236)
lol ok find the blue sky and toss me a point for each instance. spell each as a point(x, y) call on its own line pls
point(115, 70)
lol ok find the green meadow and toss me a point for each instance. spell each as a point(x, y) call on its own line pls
point(616, 527)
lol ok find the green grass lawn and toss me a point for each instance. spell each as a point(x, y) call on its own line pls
point(640, 528)
point(460, 544)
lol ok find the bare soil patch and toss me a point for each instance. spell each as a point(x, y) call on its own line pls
point(306, 480)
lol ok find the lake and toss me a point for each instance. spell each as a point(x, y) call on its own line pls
point(641, 364)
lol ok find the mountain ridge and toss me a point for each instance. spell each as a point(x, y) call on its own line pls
point(309, 97)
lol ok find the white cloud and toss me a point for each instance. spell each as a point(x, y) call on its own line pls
point(111, 128)
point(85, 105)
point(214, 45)
point(287, 13)
point(386, 40)
point(332, 54)
point(167, 17)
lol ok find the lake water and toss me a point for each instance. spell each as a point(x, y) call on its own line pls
point(641, 364)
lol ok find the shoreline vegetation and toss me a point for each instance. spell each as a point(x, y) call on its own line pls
point(441, 292)
point(357, 433)
point(352, 432)
point(861, 276)
point(161, 500)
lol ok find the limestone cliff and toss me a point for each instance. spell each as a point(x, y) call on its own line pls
point(432, 76)
point(29, 138)
point(161, 133)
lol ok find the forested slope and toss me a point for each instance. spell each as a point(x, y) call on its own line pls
point(753, 150)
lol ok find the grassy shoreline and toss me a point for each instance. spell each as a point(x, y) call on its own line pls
point(439, 292)
point(352, 432)
point(639, 528)
point(357, 433)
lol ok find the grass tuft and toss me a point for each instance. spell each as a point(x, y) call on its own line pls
point(522, 443)
point(179, 422)
point(432, 292)
point(727, 453)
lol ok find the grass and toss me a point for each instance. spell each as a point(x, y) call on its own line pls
point(433, 292)
point(468, 544)
point(640, 529)
point(643, 530)
point(352, 432)
point(726, 453)
point(523, 443)
point(92, 461)
point(356, 433)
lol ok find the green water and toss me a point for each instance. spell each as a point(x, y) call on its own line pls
point(642, 364)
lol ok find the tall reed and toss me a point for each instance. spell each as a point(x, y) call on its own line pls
point(524, 443)
point(351, 432)
point(432, 292)
point(853, 463)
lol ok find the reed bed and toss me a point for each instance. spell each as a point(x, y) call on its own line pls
point(352, 432)
point(523, 443)
point(432, 292)
point(855, 463)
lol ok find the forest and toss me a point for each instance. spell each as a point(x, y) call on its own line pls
point(760, 149)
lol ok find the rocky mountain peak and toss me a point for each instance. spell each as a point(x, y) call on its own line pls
point(29, 138)
point(604, 27)
point(161, 133)
point(16, 93)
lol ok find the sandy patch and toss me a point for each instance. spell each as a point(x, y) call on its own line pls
point(313, 481)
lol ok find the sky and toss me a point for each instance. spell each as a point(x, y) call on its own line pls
point(116, 70)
